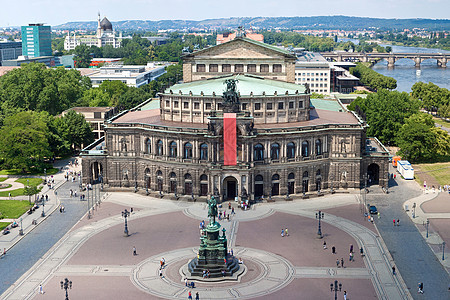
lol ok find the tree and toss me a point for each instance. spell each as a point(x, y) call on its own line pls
point(74, 129)
point(114, 89)
point(132, 97)
point(82, 56)
point(24, 142)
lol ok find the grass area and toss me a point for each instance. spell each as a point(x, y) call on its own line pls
point(32, 181)
point(3, 179)
point(3, 225)
point(13, 209)
point(6, 186)
point(441, 122)
point(50, 171)
point(439, 171)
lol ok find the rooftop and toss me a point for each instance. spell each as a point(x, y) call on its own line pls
point(328, 104)
point(246, 85)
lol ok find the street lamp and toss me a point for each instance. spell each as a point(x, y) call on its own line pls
point(428, 223)
point(66, 285)
point(443, 250)
point(43, 206)
point(126, 214)
point(365, 191)
point(319, 216)
point(414, 210)
point(21, 227)
point(331, 179)
point(146, 184)
point(28, 188)
point(135, 182)
point(88, 207)
point(337, 287)
point(45, 176)
point(387, 183)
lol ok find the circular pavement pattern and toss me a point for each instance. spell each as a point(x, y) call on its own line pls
point(275, 273)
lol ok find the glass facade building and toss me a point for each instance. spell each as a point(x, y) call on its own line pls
point(36, 40)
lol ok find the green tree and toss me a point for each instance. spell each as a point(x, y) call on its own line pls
point(114, 89)
point(82, 56)
point(75, 130)
point(24, 142)
point(132, 97)
point(95, 97)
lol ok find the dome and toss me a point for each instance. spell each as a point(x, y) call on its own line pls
point(105, 24)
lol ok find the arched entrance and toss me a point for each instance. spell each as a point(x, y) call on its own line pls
point(318, 180)
point(203, 185)
point(275, 185)
point(291, 183)
point(96, 171)
point(172, 182)
point(159, 180)
point(230, 187)
point(187, 184)
point(259, 186)
point(147, 178)
point(373, 174)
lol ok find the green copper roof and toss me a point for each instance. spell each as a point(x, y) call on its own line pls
point(245, 85)
point(154, 103)
point(331, 105)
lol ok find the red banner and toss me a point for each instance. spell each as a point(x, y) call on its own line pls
point(229, 139)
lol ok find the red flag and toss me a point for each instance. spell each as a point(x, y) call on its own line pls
point(229, 139)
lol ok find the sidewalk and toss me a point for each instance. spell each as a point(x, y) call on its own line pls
point(29, 222)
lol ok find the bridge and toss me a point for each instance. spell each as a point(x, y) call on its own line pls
point(418, 58)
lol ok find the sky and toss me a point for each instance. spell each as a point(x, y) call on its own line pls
point(56, 12)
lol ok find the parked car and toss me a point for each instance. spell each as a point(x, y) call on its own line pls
point(373, 210)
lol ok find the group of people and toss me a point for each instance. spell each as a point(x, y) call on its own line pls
point(284, 232)
point(396, 223)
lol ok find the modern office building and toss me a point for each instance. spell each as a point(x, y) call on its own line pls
point(314, 70)
point(10, 50)
point(36, 40)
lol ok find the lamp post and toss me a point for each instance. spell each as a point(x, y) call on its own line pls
point(414, 210)
point(126, 214)
point(365, 191)
point(443, 250)
point(88, 207)
point(428, 223)
point(331, 179)
point(28, 188)
point(336, 287)
point(66, 285)
point(45, 176)
point(21, 227)
point(319, 216)
point(43, 208)
point(135, 182)
point(146, 184)
point(387, 183)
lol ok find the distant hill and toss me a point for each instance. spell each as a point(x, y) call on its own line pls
point(324, 22)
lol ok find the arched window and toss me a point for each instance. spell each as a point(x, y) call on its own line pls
point(159, 144)
point(305, 148)
point(318, 172)
point(173, 182)
point(275, 151)
point(305, 174)
point(318, 180)
point(258, 152)
point(203, 152)
point(123, 145)
point(305, 182)
point(259, 186)
point(148, 146)
point(188, 150)
point(291, 183)
point(173, 149)
point(290, 150)
point(318, 147)
point(187, 184)
point(159, 180)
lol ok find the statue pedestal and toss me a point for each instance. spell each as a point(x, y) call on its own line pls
point(212, 255)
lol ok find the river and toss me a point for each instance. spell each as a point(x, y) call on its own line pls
point(407, 74)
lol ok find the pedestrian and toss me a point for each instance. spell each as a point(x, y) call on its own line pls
point(378, 214)
point(351, 256)
point(361, 251)
point(282, 232)
point(134, 250)
point(337, 263)
point(351, 248)
point(9, 194)
point(41, 289)
point(393, 221)
point(398, 222)
point(393, 270)
point(160, 273)
point(231, 251)
point(420, 290)
point(345, 295)
point(342, 262)
point(286, 232)
point(232, 210)
point(46, 197)
point(324, 245)
point(190, 295)
point(186, 280)
point(333, 250)
point(197, 296)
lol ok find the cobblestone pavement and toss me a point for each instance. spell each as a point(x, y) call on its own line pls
point(412, 255)
point(160, 228)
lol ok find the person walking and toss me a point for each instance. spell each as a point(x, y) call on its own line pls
point(337, 262)
point(351, 248)
point(282, 232)
point(393, 221)
point(160, 273)
point(420, 290)
point(134, 250)
point(351, 256)
point(41, 289)
point(393, 270)
point(197, 296)
point(398, 222)
point(324, 245)
point(286, 232)
point(186, 280)
point(345, 295)
point(333, 250)
point(190, 295)
point(342, 262)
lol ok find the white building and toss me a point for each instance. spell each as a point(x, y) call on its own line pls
point(313, 69)
point(105, 36)
point(134, 76)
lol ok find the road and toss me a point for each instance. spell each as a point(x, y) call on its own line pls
point(34, 245)
point(413, 257)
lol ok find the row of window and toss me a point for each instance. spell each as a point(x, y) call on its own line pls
point(264, 68)
point(173, 149)
point(269, 106)
point(311, 74)
point(258, 150)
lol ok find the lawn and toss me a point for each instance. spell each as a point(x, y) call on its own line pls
point(13, 209)
point(441, 122)
point(3, 225)
point(50, 171)
point(20, 191)
point(3, 179)
point(439, 171)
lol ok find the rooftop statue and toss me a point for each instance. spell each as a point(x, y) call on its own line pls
point(230, 97)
